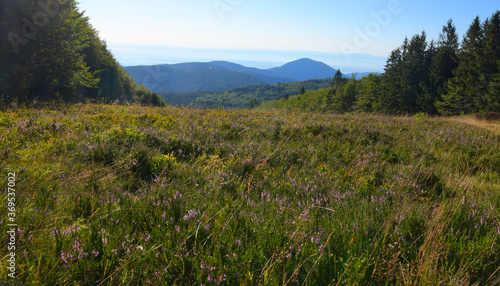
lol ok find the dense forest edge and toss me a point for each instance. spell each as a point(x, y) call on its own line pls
point(51, 53)
point(244, 97)
point(443, 77)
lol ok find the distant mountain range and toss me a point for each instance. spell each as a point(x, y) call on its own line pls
point(222, 76)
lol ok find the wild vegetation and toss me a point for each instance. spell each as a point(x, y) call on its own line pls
point(129, 195)
point(111, 195)
point(244, 97)
point(444, 77)
point(50, 53)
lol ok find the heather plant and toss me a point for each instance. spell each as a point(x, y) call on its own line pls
point(115, 195)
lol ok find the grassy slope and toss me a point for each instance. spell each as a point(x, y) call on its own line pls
point(126, 195)
point(493, 126)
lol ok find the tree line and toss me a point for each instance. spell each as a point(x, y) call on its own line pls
point(438, 77)
point(251, 96)
point(50, 52)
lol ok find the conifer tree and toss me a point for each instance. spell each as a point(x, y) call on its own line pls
point(490, 62)
point(392, 80)
point(443, 63)
point(415, 74)
point(406, 73)
point(465, 89)
point(493, 93)
point(302, 90)
point(338, 79)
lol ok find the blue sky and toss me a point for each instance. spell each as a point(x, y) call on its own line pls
point(270, 33)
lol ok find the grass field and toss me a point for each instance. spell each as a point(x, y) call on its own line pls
point(113, 195)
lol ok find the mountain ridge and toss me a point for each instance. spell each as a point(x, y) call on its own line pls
point(223, 75)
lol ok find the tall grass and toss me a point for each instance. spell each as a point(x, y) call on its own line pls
point(110, 195)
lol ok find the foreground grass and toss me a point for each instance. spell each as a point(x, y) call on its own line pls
point(109, 195)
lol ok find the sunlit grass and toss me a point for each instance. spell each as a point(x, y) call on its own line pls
point(488, 125)
point(116, 195)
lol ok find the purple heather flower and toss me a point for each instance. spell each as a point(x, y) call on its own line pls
point(63, 258)
point(321, 247)
point(191, 215)
point(238, 242)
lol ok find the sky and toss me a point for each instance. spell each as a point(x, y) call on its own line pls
point(356, 36)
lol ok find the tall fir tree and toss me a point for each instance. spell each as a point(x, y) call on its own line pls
point(490, 61)
point(443, 64)
point(465, 89)
point(406, 73)
point(415, 73)
point(390, 101)
point(338, 79)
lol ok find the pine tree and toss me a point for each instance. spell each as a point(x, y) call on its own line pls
point(465, 89)
point(443, 64)
point(493, 93)
point(390, 101)
point(406, 74)
point(338, 79)
point(490, 62)
point(415, 74)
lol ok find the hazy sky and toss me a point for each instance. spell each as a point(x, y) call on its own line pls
point(212, 29)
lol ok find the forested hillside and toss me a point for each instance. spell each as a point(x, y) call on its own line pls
point(245, 97)
point(219, 76)
point(50, 52)
point(190, 77)
point(437, 77)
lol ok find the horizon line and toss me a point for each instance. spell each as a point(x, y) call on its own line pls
point(136, 55)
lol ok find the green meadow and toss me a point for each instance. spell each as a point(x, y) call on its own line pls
point(117, 195)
